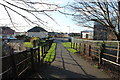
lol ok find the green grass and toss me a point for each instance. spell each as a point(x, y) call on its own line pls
point(28, 44)
point(68, 45)
point(51, 53)
point(72, 50)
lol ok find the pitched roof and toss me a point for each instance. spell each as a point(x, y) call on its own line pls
point(37, 29)
point(6, 30)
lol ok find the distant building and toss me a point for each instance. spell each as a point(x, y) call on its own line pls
point(52, 34)
point(74, 34)
point(20, 33)
point(37, 32)
point(101, 32)
point(87, 34)
point(65, 35)
point(6, 32)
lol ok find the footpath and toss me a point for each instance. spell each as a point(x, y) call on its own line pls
point(70, 65)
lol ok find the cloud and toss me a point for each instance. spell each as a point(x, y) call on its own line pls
point(59, 2)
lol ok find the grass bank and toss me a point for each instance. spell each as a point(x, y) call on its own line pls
point(68, 46)
point(51, 53)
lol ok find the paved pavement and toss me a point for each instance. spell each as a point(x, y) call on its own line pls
point(70, 65)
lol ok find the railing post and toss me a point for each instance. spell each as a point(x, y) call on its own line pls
point(38, 53)
point(118, 53)
point(79, 47)
point(101, 53)
point(89, 50)
point(32, 59)
point(71, 44)
point(84, 49)
point(76, 46)
point(13, 64)
point(42, 49)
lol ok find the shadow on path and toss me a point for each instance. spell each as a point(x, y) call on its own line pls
point(68, 65)
point(48, 71)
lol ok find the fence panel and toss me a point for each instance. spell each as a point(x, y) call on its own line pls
point(15, 64)
point(111, 53)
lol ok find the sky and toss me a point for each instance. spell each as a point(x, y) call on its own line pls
point(63, 23)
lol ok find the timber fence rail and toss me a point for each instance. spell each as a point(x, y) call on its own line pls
point(15, 64)
point(108, 51)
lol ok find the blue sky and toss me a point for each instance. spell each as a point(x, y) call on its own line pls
point(65, 22)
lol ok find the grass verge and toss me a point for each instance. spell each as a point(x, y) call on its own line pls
point(28, 44)
point(68, 46)
point(51, 53)
point(72, 50)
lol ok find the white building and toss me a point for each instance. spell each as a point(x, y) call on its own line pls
point(20, 33)
point(37, 32)
point(88, 34)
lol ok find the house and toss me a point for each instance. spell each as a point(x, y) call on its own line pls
point(61, 34)
point(87, 34)
point(20, 33)
point(52, 34)
point(74, 34)
point(37, 32)
point(65, 35)
point(6, 32)
point(102, 33)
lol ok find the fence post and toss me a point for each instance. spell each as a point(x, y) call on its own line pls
point(42, 53)
point(118, 53)
point(102, 49)
point(84, 48)
point(79, 47)
point(42, 50)
point(13, 64)
point(71, 44)
point(32, 59)
point(89, 50)
point(39, 53)
point(76, 46)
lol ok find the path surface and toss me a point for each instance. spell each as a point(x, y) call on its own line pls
point(70, 65)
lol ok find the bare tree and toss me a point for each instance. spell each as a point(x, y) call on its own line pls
point(28, 6)
point(101, 11)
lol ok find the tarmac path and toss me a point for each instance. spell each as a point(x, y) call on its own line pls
point(70, 65)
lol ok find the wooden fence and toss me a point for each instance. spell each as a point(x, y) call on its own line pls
point(104, 51)
point(14, 65)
